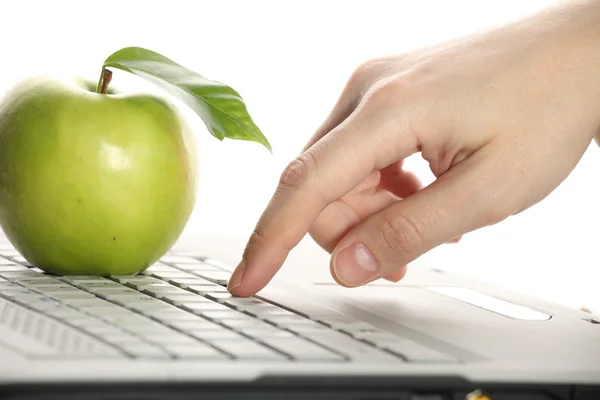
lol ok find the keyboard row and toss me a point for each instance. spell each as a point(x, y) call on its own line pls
point(183, 310)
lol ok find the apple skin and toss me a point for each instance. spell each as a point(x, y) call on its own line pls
point(93, 184)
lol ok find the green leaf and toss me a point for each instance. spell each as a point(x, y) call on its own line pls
point(221, 108)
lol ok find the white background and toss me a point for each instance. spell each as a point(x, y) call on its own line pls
point(290, 60)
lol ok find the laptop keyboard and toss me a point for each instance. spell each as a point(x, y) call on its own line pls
point(179, 308)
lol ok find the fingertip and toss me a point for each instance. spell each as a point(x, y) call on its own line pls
point(397, 275)
point(236, 279)
point(332, 270)
point(354, 265)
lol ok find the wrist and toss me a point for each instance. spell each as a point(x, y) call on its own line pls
point(581, 40)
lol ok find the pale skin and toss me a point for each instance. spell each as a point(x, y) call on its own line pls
point(502, 118)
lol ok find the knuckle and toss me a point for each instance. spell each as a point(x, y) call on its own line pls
point(366, 73)
point(386, 91)
point(298, 173)
point(400, 235)
point(255, 240)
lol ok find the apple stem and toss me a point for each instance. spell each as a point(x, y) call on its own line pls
point(105, 79)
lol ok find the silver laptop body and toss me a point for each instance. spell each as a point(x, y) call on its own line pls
point(174, 332)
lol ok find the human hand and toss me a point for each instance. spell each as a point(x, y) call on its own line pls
point(502, 119)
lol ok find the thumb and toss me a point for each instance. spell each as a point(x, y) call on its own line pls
point(458, 202)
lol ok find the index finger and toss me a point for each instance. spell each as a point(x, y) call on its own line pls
point(322, 174)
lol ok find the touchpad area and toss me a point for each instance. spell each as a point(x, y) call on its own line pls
point(452, 319)
point(454, 314)
point(437, 303)
point(452, 303)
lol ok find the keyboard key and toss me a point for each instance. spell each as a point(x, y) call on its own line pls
point(200, 307)
point(16, 275)
point(156, 307)
point(95, 286)
point(198, 324)
point(120, 278)
point(161, 291)
point(261, 332)
point(220, 277)
point(43, 304)
point(354, 326)
point(304, 306)
point(10, 252)
point(220, 297)
point(22, 295)
point(124, 299)
point(64, 288)
point(28, 299)
point(216, 263)
point(178, 260)
point(180, 299)
point(12, 268)
point(217, 289)
point(240, 324)
point(95, 327)
point(227, 314)
point(142, 287)
point(43, 280)
point(288, 320)
point(212, 334)
point(187, 253)
point(18, 291)
point(241, 303)
point(121, 338)
point(172, 338)
point(5, 262)
point(373, 336)
point(86, 303)
point(301, 349)
point(157, 267)
point(148, 306)
point(74, 279)
point(352, 348)
point(304, 328)
point(144, 350)
point(338, 321)
point(146, 327)
point(70, 295)
point(113, 291)
point(109, 311)
point(123, 279)
point(140, 280)
point(246, 349)
point(196, 267)
point(167, 275)
point(197, 279)
point(297, 325)
point(21, 260)
point(203, 289)
point(199, 350)
point(186, 282)
point(266, 310)
point(167, 316)
point(64, 313)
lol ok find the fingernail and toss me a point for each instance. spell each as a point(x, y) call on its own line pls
point(236, 278)
point(354, 265)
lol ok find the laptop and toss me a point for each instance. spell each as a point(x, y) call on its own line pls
point(174, 332)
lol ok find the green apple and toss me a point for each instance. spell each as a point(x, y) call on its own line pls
point(93, 183)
